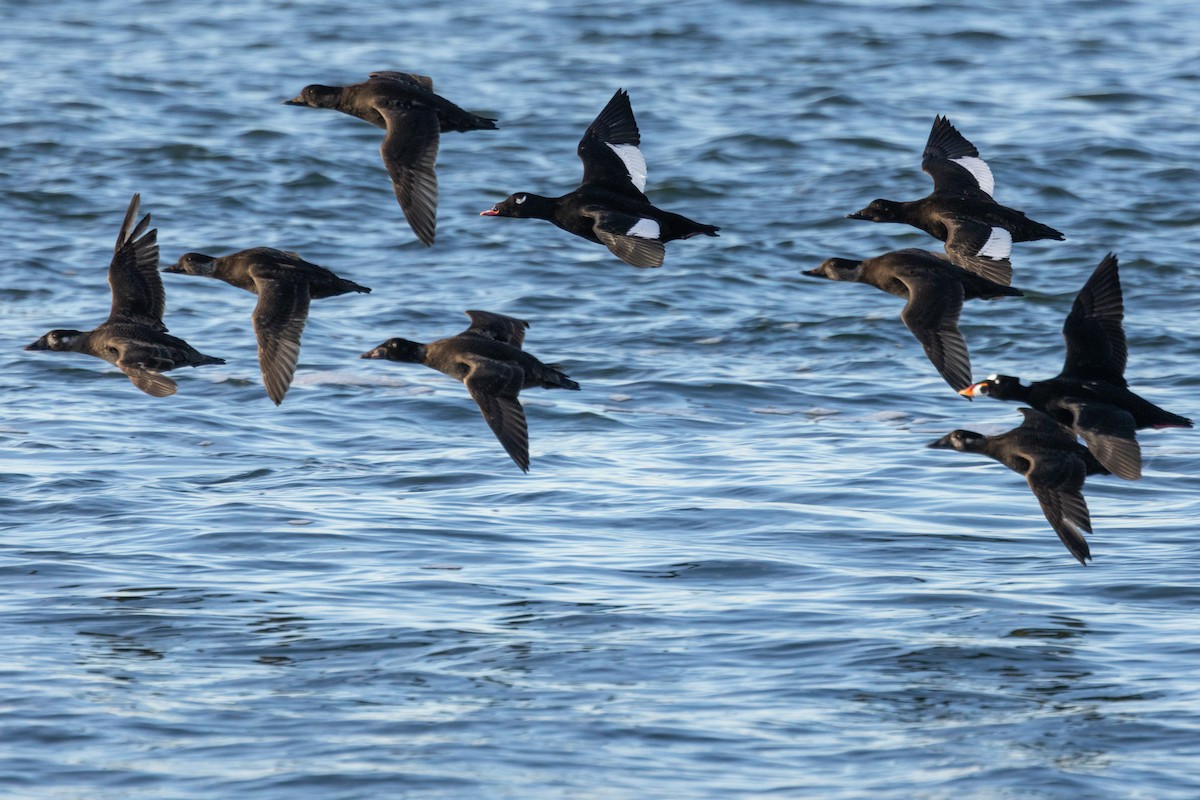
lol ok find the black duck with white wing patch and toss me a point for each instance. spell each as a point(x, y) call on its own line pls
point(1054, 465)
point(1090, 395)
point(285, 284)
point(487, 357)
point(610, 206)
point(935, 290)
point(960, 211)
point(406, 106)
point(133, 338)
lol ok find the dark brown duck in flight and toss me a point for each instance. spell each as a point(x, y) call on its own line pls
point(414, 117)
point(1090, 396)
point(935, 290)
point(978, 231)
point(1054, 464)
point(609, 206)
point(488, 358)
point(284, 283)
point(133, 338)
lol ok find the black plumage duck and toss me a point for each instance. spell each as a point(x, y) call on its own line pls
point(935, 290)
point(284, 283)
point(488, 358)
point(414, 117)
point(1090, 394)
point(978, 231)
point(609, 206)
point(1054, 464)
point(133, 338)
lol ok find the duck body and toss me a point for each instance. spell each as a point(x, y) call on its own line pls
point(978, 232)
point(609, 206)
point(133, 338)
point(1090, 395)
point(939, 213)
point(285, 284)
point(1054, 465)
point(405, 105)
point(372, 100)
point(935, 290)
point(599, 214)
point(488, 358)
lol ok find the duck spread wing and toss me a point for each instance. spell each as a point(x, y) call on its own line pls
point(633, 239)
point(610, 150)
point(954, 163)
point(494, 385)
point(137, 288)
point(1056, 479)
point(1095, 335)
point(932, 316)
point(279, 320)
point(980, 248)
point(508, 330)
point(409, 151)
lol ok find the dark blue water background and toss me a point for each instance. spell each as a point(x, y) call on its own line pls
point(733, 571)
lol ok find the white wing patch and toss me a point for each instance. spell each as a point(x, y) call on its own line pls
point(978, 169)
point(998, 246)
point(644, 229)
point(635, 163)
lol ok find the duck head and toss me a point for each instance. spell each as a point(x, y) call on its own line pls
point(1001, 387)
point(193, 264)
point(963, 441)
point(518, 205)
point(837, 269)
point(878, 211)
point(61, 340)
point(398, 350)
point(316, 96)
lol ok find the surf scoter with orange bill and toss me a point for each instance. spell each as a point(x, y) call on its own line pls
point(1054, 464)
point(488, 358)
point(405, 106)
point(935, 290)
point(1090, 395)
point(133, 338)
point(609, 206)
point(960, 211)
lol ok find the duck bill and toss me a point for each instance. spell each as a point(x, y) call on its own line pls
point(491, 212)
point(857, 215)
point(971, 391)
point(816, 273)
point(40, 344)
point(378, 352)
point(295, 101)
point(942, 443)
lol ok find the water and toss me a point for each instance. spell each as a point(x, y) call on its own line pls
point(733, 571)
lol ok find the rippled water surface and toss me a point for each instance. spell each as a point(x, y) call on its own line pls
point(733, 570)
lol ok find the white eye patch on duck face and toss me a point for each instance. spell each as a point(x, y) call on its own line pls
point(520, 199)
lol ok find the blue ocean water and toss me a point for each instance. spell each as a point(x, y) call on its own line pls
point(733, 570)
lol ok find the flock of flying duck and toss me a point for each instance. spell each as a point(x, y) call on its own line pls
point(1088, 399)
